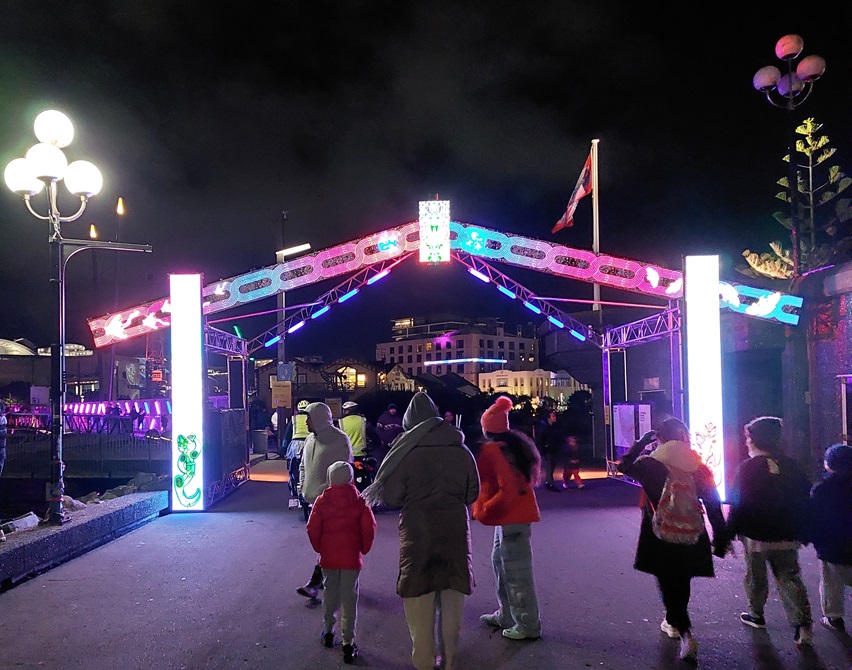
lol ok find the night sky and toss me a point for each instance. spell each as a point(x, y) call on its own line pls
point(211, 120)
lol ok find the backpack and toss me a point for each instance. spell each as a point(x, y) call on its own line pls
point(679, 516)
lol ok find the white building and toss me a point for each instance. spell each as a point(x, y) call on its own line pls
point(534, 383)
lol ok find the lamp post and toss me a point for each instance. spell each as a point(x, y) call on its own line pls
point(45, 165)
point(788, 91)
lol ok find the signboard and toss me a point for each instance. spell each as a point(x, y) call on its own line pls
point(282, 394)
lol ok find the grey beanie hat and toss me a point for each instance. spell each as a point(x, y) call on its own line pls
point(339, 472)
point(838, 458)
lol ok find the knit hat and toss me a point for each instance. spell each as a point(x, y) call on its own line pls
point(339, 472)
point(496, 418)
point(838, 458)
point(391, 406)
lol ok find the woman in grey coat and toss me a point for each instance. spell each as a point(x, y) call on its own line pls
point(431, 476)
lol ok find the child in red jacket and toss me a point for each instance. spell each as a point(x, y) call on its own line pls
point(341, 529)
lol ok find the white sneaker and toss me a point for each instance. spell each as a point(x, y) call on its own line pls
point(688, 649)
point(669, 630)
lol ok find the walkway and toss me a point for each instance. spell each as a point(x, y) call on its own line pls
point(217, 590)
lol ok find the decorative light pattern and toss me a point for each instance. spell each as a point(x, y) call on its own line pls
point(188, 395)
point(434, 231)
point(704, 362)
point(516, 250)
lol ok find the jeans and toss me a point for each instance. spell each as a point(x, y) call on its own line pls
point(511, 559)
point(788, 577)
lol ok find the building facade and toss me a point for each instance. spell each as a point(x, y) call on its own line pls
point(534, 383)
point(466, 348)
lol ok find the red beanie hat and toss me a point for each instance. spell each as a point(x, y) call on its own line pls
point(496, 418)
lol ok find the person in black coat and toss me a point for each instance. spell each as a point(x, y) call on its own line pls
point(674, 565)
point(831, 533)
point(769, 513)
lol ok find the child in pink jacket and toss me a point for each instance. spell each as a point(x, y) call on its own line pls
point(341, 529)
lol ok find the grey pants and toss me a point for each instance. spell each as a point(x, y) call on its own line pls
point(341, 592)
point(788, 577)
point(833, 579)
point(511, 559)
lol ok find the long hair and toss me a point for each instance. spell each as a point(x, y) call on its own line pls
point(520, 451)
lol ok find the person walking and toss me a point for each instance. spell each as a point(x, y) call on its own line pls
point(431, 477)
point(674, 564)
point(508, 465)
point(3, 434)
point(552, 444)
point(572, 464)
point(341, 529)
point(325, 444)
point(769, 502)
point(831, 532)
point(293, 442)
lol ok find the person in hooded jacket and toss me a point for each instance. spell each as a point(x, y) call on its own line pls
point(769, 514)
point(431, 477)
point(341, 529)
point(674, 565)
point(831, 532)
point(508, 468)
point(326, 444)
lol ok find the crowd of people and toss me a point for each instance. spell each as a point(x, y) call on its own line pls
point(438, 485)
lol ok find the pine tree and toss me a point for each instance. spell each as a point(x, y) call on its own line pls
point(824, 217)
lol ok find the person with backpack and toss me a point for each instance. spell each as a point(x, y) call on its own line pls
point(769, 513)
point(673, 542)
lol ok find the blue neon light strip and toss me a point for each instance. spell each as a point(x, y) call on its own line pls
point(506, 291)
point(320, 312)
point(293, 329)
point(466, 360)
point(269, 343)
point(532, 307)
point(374, 279)
point(579, 336)
point(346, 296)
point(556, 322)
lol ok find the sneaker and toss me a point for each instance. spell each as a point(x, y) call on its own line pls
point(514, 634)
point(350, 652)
point(803, 636)
point(492, 620)
point(581, 487)
point(308, 591)
point(834, 623)
point(328, 640)
point(688, 649)
point(753, 620)
point(669, 630)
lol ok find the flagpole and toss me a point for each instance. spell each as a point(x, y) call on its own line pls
point(595, 230)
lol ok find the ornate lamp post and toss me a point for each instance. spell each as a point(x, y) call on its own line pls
point(788, 91)
point(44, 165)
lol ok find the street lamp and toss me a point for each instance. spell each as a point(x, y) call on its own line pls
point(45, 165)
point(788, 91)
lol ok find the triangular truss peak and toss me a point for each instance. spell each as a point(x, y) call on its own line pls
point(395, 244)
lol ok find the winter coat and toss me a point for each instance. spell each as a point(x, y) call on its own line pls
point(831, 518)
point(661, 558)
point(433, 485)
point(326, 445)
point(341, 528)
point(389, 426)
point(505, 496)
point(769, 500)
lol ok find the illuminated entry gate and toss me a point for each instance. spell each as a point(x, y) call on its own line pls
point(435, 238)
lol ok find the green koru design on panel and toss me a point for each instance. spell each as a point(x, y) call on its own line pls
point(189, 453)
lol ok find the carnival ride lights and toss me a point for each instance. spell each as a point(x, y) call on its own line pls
point(478, 242)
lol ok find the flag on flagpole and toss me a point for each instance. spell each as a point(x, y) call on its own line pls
point(582, 189)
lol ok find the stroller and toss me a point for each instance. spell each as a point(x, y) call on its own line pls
point(364, 469)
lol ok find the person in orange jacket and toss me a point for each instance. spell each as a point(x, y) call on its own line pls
point(509, 465)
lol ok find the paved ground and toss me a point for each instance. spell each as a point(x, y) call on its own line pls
point(217, 590)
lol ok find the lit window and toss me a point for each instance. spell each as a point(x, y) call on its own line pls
point(361, 380)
